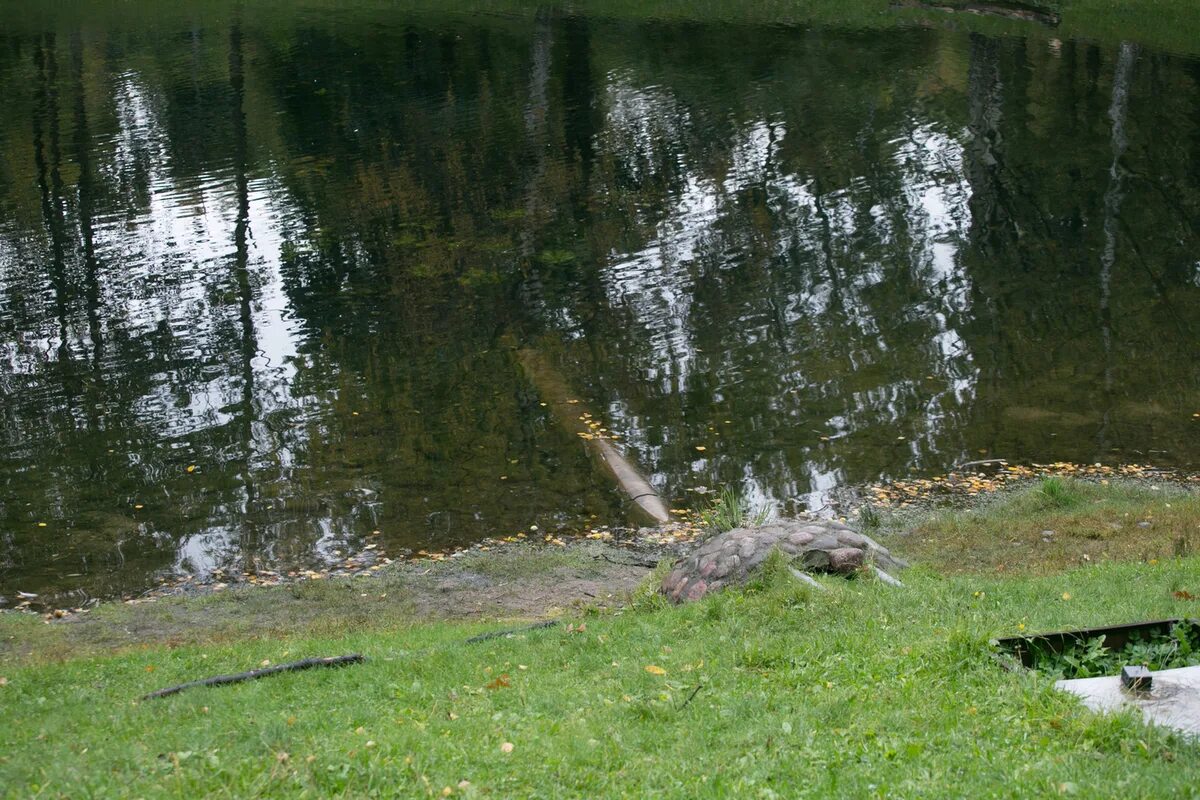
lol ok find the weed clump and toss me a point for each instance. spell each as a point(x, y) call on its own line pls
point(732, 510)
point(1090, 658)
point(1059, 493)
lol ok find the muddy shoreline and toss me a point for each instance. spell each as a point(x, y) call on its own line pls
point(609, 562)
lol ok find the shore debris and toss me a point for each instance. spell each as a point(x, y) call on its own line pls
point(968, 484)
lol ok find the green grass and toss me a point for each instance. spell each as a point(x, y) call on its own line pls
point(729, 510)
point(1172, 25)
point(1051, 525)
point(773, 691)
point(859, 691)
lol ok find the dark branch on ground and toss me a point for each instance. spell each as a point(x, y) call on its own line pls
point(294, 666)
point(483, 637)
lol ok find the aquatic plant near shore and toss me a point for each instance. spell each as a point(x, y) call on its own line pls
point(731, 509)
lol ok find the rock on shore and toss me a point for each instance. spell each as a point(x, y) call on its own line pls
point(813, 545)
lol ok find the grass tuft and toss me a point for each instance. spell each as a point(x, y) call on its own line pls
point(1060, 492)
point(732, 510)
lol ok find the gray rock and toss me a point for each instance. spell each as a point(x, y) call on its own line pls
point(731, 557)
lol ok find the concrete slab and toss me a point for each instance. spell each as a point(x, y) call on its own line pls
point(1173, 701)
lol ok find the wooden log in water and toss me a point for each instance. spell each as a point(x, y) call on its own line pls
point(567, 412)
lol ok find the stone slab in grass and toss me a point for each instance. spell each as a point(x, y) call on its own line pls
point(1173, 700)
point(730, 558)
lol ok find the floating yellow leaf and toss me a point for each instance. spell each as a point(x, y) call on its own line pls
point(701, 448)
point(191, 468)
point(654, 669)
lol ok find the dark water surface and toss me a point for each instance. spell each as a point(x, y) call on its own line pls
point(263, 275)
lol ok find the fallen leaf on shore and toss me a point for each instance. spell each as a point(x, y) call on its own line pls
point(500, 683)
point(507, 747)
point(654, 669)
point(1183, 594)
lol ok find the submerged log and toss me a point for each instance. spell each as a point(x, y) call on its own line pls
point(571, 414)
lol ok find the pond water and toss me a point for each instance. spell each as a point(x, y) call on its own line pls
point(265, 271)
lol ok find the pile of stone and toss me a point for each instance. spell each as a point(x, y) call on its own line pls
point(729, 559)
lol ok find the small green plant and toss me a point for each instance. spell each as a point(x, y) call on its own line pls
point(869, 517)
point(1091, 658)
point(1059, 493)
point(732, 510)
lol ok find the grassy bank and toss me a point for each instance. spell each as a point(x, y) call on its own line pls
point(1171, 25)
point(777, 691)
point(512, 582)
point(1050, 525)
point(859, 691)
